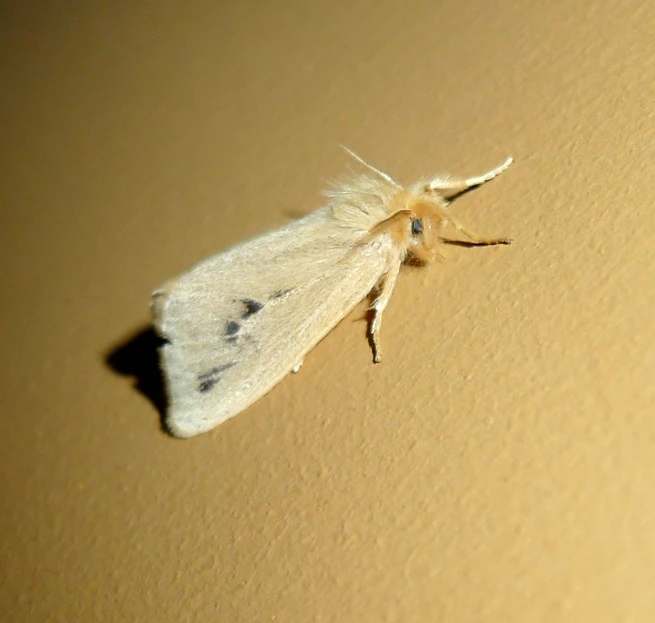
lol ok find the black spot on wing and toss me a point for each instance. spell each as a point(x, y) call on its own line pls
point(207, 380)
point(252, 307)
point(232, 328)
point(280, 293)
point(207, 384)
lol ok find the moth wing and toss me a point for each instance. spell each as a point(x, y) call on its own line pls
point(236, 324)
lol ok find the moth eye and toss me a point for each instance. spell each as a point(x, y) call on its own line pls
point(417, 227)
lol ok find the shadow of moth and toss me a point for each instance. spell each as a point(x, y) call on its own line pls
point(238, 322)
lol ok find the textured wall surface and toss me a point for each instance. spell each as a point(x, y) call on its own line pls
point(499, 466)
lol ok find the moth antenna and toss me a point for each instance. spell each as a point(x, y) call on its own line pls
point(382, 174)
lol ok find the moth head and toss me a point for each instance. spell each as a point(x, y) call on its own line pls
point(426, 220)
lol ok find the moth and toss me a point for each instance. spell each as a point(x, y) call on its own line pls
point(237, 323)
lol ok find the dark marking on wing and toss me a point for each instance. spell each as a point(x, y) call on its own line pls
point(206, 385)
point(252, 307)
point(207, 380)
point(232, 327)
point(280, 293)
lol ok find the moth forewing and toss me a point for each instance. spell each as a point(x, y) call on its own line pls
point(226, 348)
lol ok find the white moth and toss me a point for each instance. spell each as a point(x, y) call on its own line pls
point(238, 322)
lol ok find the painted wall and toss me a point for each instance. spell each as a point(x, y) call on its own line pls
point(498, 466)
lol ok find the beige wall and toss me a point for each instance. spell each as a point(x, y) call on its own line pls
point(499, 466)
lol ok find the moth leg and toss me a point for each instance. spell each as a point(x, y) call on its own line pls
point(473, 237)
point(297, 367)
point(450, 187)
point(380, 303)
